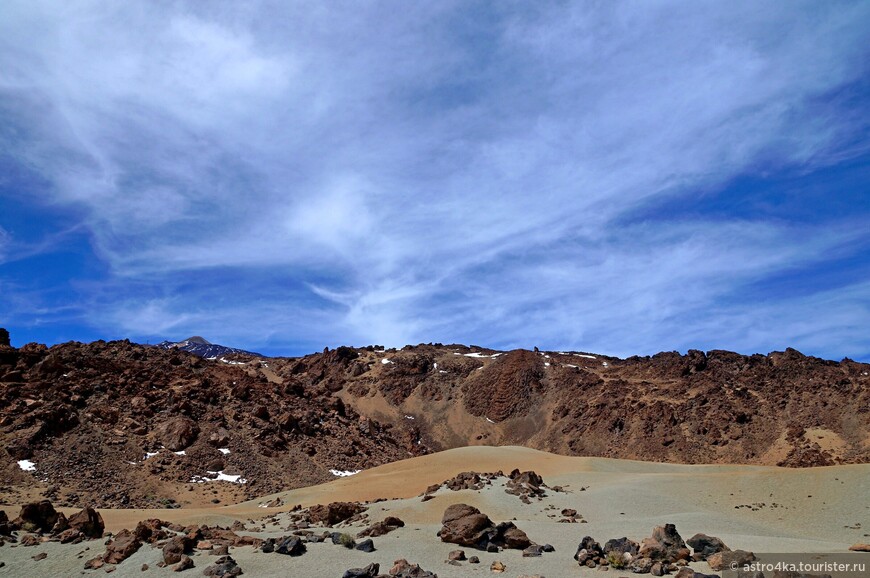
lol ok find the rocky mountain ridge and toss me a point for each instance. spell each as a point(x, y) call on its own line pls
point(203, 348)
point(121, 425)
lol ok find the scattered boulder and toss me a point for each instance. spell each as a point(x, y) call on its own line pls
point(467, 526)
point(224, 567)
point(665, 545)
point(704, 545)
point(369, 571)
point(622, 546)
point(334, 513)
point(464, 525)
point(184, 564)
point(177, 433)
point(385, 526)
point(6, 527)
point(458, 555)
point(497, 567)
point(123, 545)
point(175, 548)
point(724, 560)
point(30, 540)
point(89, 522)
point(37, 517)
point(292, 546)
point(366, 546)
point(860, 547)
point(404, 569)
point(588, 549)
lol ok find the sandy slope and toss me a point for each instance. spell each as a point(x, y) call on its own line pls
point(796, 510)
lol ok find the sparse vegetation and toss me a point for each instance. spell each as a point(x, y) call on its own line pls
point(615, 560)
point(347, 541)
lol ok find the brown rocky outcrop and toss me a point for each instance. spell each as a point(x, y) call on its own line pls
point(75, 407)
point(665, 545)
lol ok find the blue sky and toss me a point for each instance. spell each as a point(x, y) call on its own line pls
point(617, 177)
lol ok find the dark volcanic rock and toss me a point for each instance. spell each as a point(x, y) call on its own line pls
point(89, 522)
point(467, 526)
point(292, 546)
point(224, 567)
point(369, 571)
point(37, 517)
point(724, 560)
point(665, 544)
point(122, 546)
point(334, 513)
point(4, 337)
point(704, 546)
point(385, 526)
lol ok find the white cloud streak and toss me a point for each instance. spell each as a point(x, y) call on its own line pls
point(428, 178)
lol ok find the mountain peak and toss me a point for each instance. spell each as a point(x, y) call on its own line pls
point(198, 339)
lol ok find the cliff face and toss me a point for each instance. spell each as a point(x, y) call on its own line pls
point(119, 424)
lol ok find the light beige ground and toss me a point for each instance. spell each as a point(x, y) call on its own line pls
point(818, 510)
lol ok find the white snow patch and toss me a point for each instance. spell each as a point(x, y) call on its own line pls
point(409, 417)
point(27, 465)
point(441, 371)
point(478, 355)
point(386, 361)
point(229, 362)
point(569, 365)
point(218, 477)
point(489, 420)
point(604, 363)
point(224, 451)
point(344, 473)
point(435, 365)
point(546, 364)
point(586, 356)
point(181, 453)
point(150, 455)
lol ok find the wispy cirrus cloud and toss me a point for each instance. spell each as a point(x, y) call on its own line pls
point(462, 172)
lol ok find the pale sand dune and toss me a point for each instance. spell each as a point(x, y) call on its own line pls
point(623, 498)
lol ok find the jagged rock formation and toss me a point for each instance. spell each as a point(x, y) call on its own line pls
point(119, 424)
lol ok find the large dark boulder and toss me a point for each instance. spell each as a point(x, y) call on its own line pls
point(292, 546)
point(467, 526)
point(704, 546)
point(621, 546)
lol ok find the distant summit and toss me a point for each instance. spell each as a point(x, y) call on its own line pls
point(202, 347)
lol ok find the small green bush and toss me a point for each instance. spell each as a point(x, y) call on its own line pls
point(616, 560)
point(347, 541)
